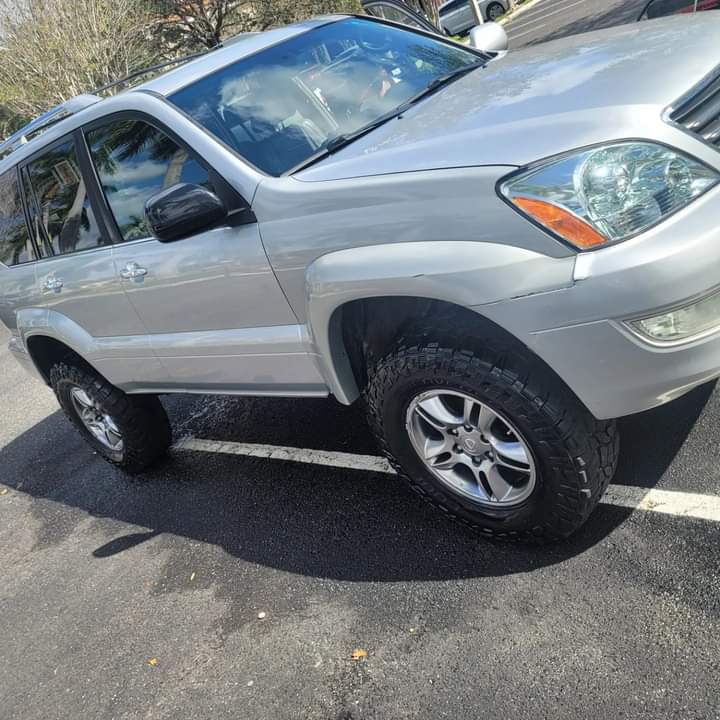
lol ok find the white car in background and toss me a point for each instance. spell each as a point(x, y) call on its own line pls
point(456, 16)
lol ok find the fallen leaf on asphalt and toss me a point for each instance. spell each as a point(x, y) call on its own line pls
point(153, 661)
point(359, 654)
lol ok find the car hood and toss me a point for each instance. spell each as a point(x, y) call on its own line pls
point(543, 100)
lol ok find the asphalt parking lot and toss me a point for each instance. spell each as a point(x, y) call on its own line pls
point(229, 584)
point(545, 20)
point(142, 600)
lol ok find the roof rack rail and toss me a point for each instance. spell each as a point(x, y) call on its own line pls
point(177, 61)
point(149, 69)
point(80, 102)
point(55, 115)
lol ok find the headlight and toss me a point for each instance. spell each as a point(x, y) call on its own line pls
point(607, 194)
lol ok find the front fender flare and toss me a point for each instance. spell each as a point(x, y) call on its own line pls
point(463, 273)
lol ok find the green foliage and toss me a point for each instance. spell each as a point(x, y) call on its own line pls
point(52, 50)
point(55, 49)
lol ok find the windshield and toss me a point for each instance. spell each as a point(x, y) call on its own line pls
point(283, 105)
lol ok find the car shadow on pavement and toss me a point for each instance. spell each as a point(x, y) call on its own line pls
point(312, 520)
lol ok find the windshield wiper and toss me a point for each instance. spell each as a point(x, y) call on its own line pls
point(340, 141)
point(443, 80)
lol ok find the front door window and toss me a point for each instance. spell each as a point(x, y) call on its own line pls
point(134, 161)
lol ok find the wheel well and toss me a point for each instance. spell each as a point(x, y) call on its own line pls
point(46, 351)
point(368, 329)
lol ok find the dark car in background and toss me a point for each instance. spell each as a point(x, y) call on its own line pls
point(661, 8)
point(399, 12)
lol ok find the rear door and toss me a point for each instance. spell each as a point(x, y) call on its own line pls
point(18, 288)
point(214, 312)
point(76, 274)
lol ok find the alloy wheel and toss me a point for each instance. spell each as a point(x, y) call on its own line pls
point(471, 448)
point(99, 424)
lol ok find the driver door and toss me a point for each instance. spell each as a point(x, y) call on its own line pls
point(213, 311)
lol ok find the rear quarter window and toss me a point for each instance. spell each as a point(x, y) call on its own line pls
point(15, 244)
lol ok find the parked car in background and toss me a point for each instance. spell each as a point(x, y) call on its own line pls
point(661, 8)
point(489, 36)
point(457, 18)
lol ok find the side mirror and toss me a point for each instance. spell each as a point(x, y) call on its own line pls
point(182, 210)
point(489, 37)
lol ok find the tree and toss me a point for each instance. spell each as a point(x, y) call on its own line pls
point(281, 12)
point(52, 50)
point(8, 121)
point(55, 49)
point(193, 25)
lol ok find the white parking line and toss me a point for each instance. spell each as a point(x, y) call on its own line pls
point(372, 463)
point(511, 27)
point(535, 10)
point(527, 32)
point(668, 502)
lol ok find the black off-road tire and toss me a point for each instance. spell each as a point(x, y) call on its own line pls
point(141, 419)
point(575, 454)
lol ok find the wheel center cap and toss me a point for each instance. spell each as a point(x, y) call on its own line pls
point(472, 442)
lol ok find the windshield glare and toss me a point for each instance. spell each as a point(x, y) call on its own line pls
point(283, 105)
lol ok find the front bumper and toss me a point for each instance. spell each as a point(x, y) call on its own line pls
point(580, 331)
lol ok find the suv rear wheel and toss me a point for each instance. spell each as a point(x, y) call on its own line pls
point(493, 438)
point(129, 431)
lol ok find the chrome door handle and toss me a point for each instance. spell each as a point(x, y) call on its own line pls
point(53, 284)
point(132, 270)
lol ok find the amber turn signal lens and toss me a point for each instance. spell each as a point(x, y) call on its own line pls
point(564, 223)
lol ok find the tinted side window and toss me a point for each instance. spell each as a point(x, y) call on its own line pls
point(15, 245)
point(62, 202)
point(135, 160)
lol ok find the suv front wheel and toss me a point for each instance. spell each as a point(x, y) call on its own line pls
point(491, 437)
point(129, 431)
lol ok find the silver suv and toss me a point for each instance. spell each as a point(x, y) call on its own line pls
point(498, 253)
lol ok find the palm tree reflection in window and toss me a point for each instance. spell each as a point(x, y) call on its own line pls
point(135, 160)
point(15, 244)
point(62, 202)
